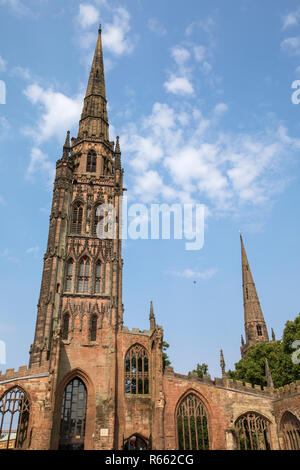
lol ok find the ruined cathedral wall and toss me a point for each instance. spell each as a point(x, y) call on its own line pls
point(36, 383)
point(287, 402)
point(223, 405)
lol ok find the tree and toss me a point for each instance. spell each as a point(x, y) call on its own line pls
point(201, 369)
point(279, 354)
point(165, 357)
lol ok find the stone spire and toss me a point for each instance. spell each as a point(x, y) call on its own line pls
point(117, 155)
point(255, 326)
point(94, 121)
point(152, 317)
point(270, 383)
point(67, 146)
point(222, 363)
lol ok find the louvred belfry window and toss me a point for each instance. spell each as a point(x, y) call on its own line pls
point(137, 371)
point(252, 432)
point(69, 275)
point(77, 218)
point(91, 161)
point(93, 331)
point(97, 278)
point(14, 419)
point(83, 275)
point(192, 427)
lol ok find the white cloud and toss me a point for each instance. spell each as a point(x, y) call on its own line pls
point(200, 53)
point(40, 163)
point(115, 35)
point(17, 6)
point(88, 15)
point(180, 55)
point(179, 86)
point(291, 45)
point(4, 127)
point(155, 26)
point(193, 274)
point(199, 162)
point(33, 249)
point(59, 112)
point(291, 19)
point(2, 64)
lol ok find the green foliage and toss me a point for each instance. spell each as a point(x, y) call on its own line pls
point(201, 369)
point(279, 354)
point(165, 357)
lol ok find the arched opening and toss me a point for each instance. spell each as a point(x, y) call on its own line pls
point(252, 432)
point(73, 416)
point(65, 326)
point(93, 328)
point(83, 275)
point(192, 425)
point(14, 419)
point(290, 428)
point(136, 442)
point(91, 161)
point(77, 218)
point(69, 275)
point(97, 277)
point(137, 370)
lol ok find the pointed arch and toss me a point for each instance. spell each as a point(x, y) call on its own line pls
point(98, 276)
point(77, 218)
point(91, 161)
point(66, 326)
point(137, 370)
point(290, 428)
point(192, 422)
point(94, 327)
point(69, 275)
point(83, 278)
point(14, 418)
point(252, 431)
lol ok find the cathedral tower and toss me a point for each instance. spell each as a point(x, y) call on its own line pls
point(255, 326)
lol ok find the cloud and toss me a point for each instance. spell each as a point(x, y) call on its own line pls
point(87, 16)
point(291, 46)
point(2, 202)
point(2, 64)
point(186, 157)
point(193, 274)
point(17, 6)
point(179, 86)
point(40, 163)
point(59, 113)
point(180, 55)
point(115, 35)
point(291, 19)
point(7, 255)
point(4, 127)
point(156, 28)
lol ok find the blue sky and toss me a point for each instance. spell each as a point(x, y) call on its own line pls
point(200, 94)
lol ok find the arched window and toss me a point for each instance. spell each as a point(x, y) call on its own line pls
point(258, 329)
point(192, 429)
point(77, 218)
point(65, 326)
point(83, 275)
point(97, 277)
point(73, 416)
point(97, 218)
point(290, 427)
point(69, 275)
point(14, 418)
point(252, 432)
point(135, 442)
point(93, 328)
point(91, 161)
point(137, 370)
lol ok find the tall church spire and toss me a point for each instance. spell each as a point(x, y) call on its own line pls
point(94, 121)
point(255, 326)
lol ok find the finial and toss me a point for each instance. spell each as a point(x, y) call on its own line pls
point(117, 149)
point(270, 383)
point(273, 335)
point(222, 363)
point(242, 340)
point(117, 155)
point(99, 29)
point(152, 317)
point(67, 146)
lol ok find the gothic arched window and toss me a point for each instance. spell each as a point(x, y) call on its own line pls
point(97, 277)
point(14, 419)
point(73, 416)
point(290, 427)
point(96, 219)
point(69, 275)
point(83, 275)
point(192, 428)
point(77, 218)
point(137, 370)
point(93, 330)
point(65, 326)
point(258, 329)
point(91, 161)
point(252, 432)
